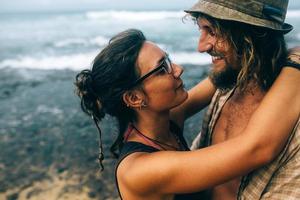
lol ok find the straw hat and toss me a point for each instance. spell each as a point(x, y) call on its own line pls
point(265, 13)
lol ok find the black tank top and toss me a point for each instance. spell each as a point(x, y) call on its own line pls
point(132, 147)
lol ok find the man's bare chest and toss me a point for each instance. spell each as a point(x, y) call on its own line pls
point(233, 119)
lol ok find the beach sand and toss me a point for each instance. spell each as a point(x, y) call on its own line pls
point(60, 187)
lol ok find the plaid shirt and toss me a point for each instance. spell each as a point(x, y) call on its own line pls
point(279, 180)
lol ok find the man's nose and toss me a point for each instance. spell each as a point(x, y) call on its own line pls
point(205, 43)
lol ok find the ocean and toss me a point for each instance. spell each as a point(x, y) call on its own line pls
point(48, 147)
point(71, 40)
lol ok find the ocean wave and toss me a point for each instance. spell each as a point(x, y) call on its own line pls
point(98, 41)
point(152, 15)
point(134, 16)
point(194, 58)
point(293, 14)
point(84, 60)
point(73, 62)
point(69, 42)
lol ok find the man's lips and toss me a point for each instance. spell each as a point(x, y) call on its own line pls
point(215, 56)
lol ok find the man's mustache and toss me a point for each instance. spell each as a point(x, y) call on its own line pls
point(216, 53)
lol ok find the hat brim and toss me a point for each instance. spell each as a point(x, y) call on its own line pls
point(225, 13)
point(286, 28)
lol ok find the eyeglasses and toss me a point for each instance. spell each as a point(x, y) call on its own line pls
point(165, 66)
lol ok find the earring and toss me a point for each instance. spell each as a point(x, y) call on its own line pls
point(143, 104)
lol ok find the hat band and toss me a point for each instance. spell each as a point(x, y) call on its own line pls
point(273, 13)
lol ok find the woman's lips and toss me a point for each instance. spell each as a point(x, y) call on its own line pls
point(180, 86)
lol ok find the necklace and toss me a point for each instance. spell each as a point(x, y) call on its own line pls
point(160, 144)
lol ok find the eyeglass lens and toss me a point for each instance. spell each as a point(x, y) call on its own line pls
point(168, 65)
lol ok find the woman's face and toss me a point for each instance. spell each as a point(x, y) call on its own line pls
point(163, 89)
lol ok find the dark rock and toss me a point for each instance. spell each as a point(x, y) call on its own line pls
point(14, 196)
point(92, 194)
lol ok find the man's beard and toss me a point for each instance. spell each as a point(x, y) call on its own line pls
point(225, 79)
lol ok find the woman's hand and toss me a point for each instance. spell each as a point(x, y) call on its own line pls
point(293, 59)
point(294, 55)
point(198, 98)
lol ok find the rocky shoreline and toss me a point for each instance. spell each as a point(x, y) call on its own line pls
point(49, 148)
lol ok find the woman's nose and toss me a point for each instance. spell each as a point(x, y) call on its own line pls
point(177, 70)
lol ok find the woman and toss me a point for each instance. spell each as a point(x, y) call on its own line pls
point(135, 81)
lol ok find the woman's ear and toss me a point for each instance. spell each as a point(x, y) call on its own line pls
point(133, 99)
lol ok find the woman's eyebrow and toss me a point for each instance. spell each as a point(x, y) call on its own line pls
point(162, 58)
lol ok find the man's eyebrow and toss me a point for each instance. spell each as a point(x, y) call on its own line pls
point(206, 25)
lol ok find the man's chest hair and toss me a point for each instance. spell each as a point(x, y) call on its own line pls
point(234, 117)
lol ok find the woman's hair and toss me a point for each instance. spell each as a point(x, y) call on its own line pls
point(101, 89)
point(261, 51)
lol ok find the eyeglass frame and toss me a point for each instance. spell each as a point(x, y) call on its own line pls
point(166, 65)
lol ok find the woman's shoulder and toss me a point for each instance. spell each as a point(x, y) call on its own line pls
point(132, 147)
point(129, 162)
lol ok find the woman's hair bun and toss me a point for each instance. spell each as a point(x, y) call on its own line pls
point(83, 82)
point(90, 102)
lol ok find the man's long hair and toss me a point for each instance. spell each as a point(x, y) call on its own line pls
point(261, 52)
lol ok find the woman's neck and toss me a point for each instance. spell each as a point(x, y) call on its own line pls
point(154, 125)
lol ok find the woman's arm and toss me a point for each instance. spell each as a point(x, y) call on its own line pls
point(181, 172)
point(198, 98)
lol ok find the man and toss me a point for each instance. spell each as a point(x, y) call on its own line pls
point(246, 42)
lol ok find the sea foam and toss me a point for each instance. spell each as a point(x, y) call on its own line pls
point(84, 60)
point(151, 15)
point(134, 16)
point(98, 41)
point(73, 61)
point(69, 42)
point(194, 58)
point(293, 14)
